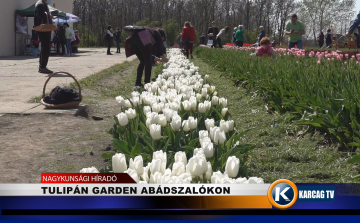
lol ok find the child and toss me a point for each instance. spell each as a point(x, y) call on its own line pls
point(265, 48)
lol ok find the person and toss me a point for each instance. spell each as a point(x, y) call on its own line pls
point(221, 34)
point(240, 36)
point(328, 38)
point(68, 36)
point(357, 35)
point(354, 25)
point(117, 36)
point(188, 37)
point(295, 29)
point(134, 44)
point(75, 43)
point(234, 36)
point(42, 16)
point(321, 38)
point(265, 48)
point(262, 33)
point(212, 33)
point(203, 39)
point(109, 35)
point(164, 38)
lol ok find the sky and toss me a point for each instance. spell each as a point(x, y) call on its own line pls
point(357, 5)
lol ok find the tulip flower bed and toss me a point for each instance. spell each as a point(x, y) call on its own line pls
point(321, 94)
point(180, 128)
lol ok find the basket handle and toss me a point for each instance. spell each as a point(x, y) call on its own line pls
point(80, 96)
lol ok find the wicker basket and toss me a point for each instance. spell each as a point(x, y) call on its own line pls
point(45, 28)
point(69, 105)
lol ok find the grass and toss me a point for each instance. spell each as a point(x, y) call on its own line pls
point(280, 153)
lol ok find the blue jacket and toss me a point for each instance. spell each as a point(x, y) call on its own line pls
point(355, 23)
point(262, 35)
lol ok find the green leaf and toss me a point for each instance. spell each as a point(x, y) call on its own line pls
point(355, 159)
point(136, 150)
point(107, 155)
point(121, 146)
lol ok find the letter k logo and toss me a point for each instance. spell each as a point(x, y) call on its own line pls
point(277, 195)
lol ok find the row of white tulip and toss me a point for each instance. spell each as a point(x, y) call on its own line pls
point(183, 171)
point(179, 89)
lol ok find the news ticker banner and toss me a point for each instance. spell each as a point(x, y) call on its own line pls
point(282, 194)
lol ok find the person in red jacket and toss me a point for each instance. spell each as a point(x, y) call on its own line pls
point(188, 37)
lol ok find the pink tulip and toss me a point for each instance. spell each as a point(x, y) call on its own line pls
point(319, 62)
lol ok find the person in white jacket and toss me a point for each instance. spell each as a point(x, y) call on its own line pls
point(221, 35)
point(109, 38)
point(68, 36)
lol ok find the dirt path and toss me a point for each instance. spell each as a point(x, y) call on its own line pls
point(38, 143)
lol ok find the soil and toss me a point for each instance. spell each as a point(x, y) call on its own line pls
point(50, 143)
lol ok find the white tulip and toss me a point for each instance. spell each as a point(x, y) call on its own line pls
point(176, 123)
point(155, 131)
point(216, 177)
point(166, 179)
point(209, 123)
point(212, 131)
point(130, 113)
point(204, 92)
point(123, 119)
point(119, 163)
point(223, 102)
point(197, 166)
point(155, 166)
point(198, 97)
point(160, 155)
point(148, 123)
point(224, 111)
point(186, 126)
point(162, 120)
point(208, 150)
point(207, 77)
point(145, 175)
point(120, 100)
point(186, 177)
point(232, 166)
point(181, 157)
point(204, 141)
point(155, 178)
point(202, 108)
point(138, 165)
point(192, 123)
point(215, 100)
point(89, 170)
point(199, 152)
point(212, 89)
point(224, 126)
point(175, 106)
point(133, 174)
point(168, 113)
point(219, 137)
point(156, 107)
point(231, 125)
point(178, 169)
point(207, 105)
point(127, 103)
point(255, 180)
point(187, 105)
point(209, 171)
point(193, 103)
point(227, 180)
point(142, 182)
point(241, 180)
point(203, 134)
point(146, 109)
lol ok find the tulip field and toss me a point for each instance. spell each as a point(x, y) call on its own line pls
point(319, 89)
point(178, 129)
